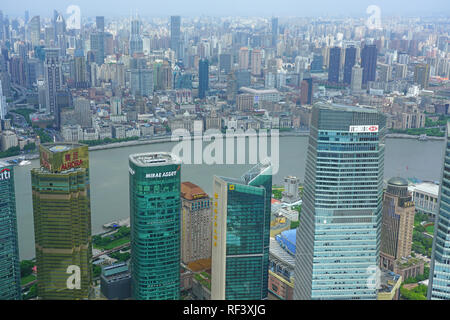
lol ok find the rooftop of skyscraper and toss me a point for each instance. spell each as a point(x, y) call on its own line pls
point(190, 191)
point(154, 159)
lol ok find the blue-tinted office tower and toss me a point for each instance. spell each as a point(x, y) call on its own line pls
point(369, 63)
point(274, 32)
point(338, 239)
point(9, 248)
point(350, 60)
point(241, 235)
point(439, 284)
point(203, 78)
point(334, 65)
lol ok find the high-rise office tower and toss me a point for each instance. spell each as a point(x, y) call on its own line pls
point(141, 81)
point(62, 222)
point(203, 78)
point(53, 79)
point(155, 225)
point(1, 25)
point(338, 240)
point(83, 113)
point(397, 223)
point(3, 104)
point(350, 60)
point(369, 63)
point(175, 35)
point(274, 31)
point(385, 72)
point(439, 283)
point(356, 81)
point(136, 43)
point(244, 58)
point(9, 248)
point(256, 63)
point(422, 75)
point(306, 91)
point(80, 70)
point(98, 47)
point(195, 223)
point(225, 62)
point(100, 23)
point(241, 235)
point(335, 65)
point(34, 29)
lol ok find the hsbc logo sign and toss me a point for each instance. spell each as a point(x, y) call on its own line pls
point(5, 174)
point(359, 129)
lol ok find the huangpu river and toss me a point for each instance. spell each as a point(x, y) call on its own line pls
point(407, 158)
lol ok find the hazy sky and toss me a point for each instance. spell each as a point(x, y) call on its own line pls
point(280, 8)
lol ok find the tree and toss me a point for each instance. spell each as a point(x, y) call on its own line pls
point(26, 268)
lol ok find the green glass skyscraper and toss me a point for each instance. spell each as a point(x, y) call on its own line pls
point(62, 222)
point(339, 237)
point(9, 248)
point(155, 225)
point(241, 235)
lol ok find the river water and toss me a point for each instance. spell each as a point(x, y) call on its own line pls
point(406, 158)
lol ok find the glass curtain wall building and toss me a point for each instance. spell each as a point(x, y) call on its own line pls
point(155, 226)
point(439, 284)
point(338, 240)
point(9, 249)
point(241, 235)
point(62, 222)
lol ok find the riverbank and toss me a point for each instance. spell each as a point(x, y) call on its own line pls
point(165, 139)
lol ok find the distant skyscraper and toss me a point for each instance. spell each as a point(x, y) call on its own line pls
point(335, 64)
point(155, 226)
point(98, 47)
point(317, 63)
point(356, 81)
point(203, 75)
point(256, 62)
point(274, 32)
point(306, 91)
point(338, 239)
point(9, 248)
point(83, 114)
point(225, 62)
point(34, 29)
point(136, 43)
point(244, 58)
point(62, 222)
point(3, 104)
point(175, 35)
point(195, 223)
point(350, 60)
point(369, 63)
point(100, 23)
point(422, 75)
point(80, 70)
point(439, 284)
point(141, 78)
point(241, 235)
point(397, 223)
point(53, 79)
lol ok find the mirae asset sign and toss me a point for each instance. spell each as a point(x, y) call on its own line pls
point(357, 129)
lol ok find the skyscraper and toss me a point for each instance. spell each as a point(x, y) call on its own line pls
point(306, 91)
point(195, 223)
point(53, 79)
point(9, 248)
point(136, 43)
point(83, 114)
point(34, 29)
point(155, 226)
point(439, 284)
point(274, 31)
point(256, 62)
point(369, 63)
point(422, 75)
point(335, 65)
point(244, 58)
point(241, 235)
point(225, 62)
point(62, 222)
point(356, 81)
point(203, 78)
point(3, 105)
point(397, 223)
point(175, 35)
point(98, 47)
point(338, 239)
point(350, 60)
point(100, 23)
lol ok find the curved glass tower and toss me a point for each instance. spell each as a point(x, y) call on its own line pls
point(155, 226)
point(338, 240)
point(9, 248)
point(439, 285)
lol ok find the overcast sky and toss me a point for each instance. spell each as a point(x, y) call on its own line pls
point(300, 8)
